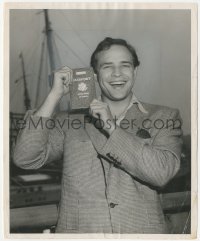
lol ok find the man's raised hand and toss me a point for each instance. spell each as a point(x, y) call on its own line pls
point(62, 79)
point(101, 110)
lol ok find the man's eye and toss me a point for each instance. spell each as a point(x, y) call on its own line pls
point(106, 67)
point(126, 65)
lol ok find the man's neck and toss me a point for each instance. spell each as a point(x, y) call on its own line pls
point(117, 107)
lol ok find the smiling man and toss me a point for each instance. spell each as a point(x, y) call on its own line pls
point(115, 63)
point(110, 174)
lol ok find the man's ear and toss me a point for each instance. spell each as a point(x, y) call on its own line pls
point(98, 89)
point(95, 77)
point(135, 72)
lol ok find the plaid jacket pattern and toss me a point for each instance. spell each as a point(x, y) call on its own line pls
point(108, 184)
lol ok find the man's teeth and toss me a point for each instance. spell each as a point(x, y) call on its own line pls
point(117, 83)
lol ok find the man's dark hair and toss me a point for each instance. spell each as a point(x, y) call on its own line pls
point(106, 44)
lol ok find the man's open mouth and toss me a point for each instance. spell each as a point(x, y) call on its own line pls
point(118, 84)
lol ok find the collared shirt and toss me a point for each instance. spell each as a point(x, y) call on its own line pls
point(133, 100)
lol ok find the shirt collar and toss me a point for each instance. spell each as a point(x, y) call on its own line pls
point(134, 100)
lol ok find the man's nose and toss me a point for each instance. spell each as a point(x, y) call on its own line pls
point(116, 71)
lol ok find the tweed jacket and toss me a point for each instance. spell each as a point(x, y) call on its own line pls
point(108, 184)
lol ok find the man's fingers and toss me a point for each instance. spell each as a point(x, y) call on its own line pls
point(65, 78)
point(97, 108)
point(98, 104)
point(94, 101)
point(94, 113)
point(64, 73)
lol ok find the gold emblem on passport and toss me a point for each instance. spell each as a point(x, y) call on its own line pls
point(82, 88)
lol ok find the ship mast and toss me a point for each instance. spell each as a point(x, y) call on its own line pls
point(50, 46)
point(49, 35)
point(27, 100)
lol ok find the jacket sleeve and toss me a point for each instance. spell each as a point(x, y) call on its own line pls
point(155, 160)
point(39, 142)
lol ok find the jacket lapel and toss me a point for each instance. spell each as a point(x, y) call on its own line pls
point(97, 138)
point(133, 115)
point(135, 118)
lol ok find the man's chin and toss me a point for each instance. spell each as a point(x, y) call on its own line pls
point(118, 98)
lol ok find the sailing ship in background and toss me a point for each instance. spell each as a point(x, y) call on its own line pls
point(49, 60)
point(42, 187)
point(15, 118)
point(49, 47)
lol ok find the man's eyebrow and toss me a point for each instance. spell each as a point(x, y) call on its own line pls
point(126, 62)
point(110, 63)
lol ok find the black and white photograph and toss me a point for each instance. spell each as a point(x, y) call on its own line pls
point(100, 119)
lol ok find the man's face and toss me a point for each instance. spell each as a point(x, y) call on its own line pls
point(115, 72)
